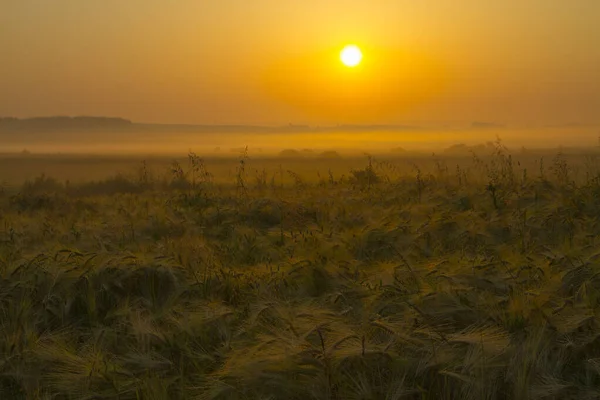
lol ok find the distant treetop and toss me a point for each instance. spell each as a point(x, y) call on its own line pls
point(62, 123)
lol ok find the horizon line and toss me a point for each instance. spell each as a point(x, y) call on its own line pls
point(444, 124)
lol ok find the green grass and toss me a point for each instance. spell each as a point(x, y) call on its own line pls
point(476, 282)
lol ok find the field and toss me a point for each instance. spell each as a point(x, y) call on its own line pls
point(437, 277)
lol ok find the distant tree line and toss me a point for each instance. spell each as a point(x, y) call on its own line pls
point(62, 123)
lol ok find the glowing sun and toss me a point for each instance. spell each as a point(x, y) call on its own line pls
point(351, 56)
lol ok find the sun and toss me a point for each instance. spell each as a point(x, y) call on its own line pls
point(351, 56)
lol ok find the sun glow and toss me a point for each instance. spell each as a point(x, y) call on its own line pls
point(351, 56)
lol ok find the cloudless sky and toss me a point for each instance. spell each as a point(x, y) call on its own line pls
point(276, 61)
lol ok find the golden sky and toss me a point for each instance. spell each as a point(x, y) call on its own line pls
point(276, 61)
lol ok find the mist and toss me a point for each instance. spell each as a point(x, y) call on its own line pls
point(271, 143)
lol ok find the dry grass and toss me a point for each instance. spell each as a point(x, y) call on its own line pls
point(385, 285)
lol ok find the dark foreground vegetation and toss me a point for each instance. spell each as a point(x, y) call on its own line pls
point(478, 282)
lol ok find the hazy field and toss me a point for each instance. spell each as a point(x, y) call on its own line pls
point(312, 163)
point(299, 200)
point(162, 141)
point(412, 276)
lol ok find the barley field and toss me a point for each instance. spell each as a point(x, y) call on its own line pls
point(438, 277)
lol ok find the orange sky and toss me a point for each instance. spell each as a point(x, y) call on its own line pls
point(275, 62)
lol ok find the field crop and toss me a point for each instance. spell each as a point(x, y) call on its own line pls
point(474, 281)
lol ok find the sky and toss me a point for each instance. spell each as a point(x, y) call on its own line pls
point(273, 62)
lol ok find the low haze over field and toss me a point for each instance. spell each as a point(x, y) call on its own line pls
point(120, 136)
